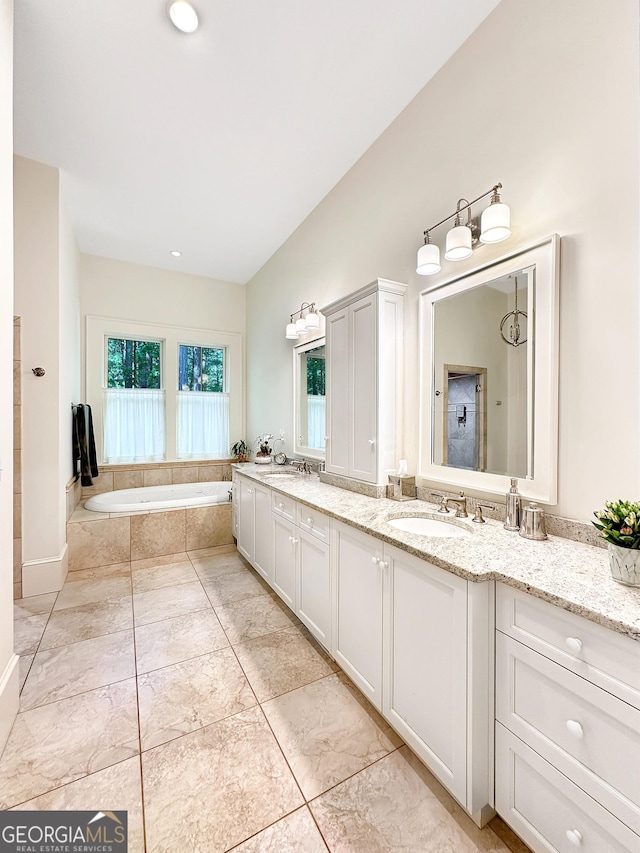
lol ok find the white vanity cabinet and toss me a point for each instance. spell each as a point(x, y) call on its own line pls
point(417, 640)
point(364, 343)
point(254, 528)
point(285, 549)
point(567, 730)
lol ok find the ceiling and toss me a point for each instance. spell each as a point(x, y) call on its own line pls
point(219, 143)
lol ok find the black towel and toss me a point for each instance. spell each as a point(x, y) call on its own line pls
point(84, 445)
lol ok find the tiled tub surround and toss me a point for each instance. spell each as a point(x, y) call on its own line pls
point(566, 573)
point(101, 539)
point(179, 688)
point(113, 477)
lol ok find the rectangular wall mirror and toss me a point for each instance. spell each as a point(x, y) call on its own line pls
point(309, 398)
point(489, 375)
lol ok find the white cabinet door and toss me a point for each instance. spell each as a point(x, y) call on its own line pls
point(285, 545)
point(337, 403)
point(314, 589)
point(246, 518)
point(263, 551)
point(363, 433)
point(357, 640)
point(425, 685)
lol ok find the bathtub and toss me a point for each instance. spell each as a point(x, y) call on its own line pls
point(160, 497)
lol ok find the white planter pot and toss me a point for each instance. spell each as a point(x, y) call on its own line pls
point(624, 564)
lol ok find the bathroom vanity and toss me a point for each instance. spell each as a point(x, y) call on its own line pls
point(510, 667)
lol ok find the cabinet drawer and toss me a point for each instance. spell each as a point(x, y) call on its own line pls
point(550, 813)
point(313, 522)
point(608, 659)
point(586, 733)
point(284, 506)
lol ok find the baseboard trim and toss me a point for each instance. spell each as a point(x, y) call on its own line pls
point(47, 575)
point(9, 693)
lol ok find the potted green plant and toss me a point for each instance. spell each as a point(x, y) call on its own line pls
point(240, 450)
point(619, 526)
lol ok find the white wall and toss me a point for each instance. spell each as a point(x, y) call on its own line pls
point(544, 98)
point(46, 298)
point(8, 661)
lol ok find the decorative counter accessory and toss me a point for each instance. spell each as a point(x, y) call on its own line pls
point(263, 456)
point(619, 526)
point(514, 507)
point(240, 450)
point(533, 524)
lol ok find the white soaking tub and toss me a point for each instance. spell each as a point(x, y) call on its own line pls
point(161, 497)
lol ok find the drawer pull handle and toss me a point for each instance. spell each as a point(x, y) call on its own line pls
point(574, 644)
point(309, 521)
point(281, 505)
point(575, 728)
point(575, 837)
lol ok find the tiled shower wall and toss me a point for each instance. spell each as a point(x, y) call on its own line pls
point(17, 462)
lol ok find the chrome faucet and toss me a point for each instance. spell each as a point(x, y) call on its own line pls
point(461, 508)
point(443, 508)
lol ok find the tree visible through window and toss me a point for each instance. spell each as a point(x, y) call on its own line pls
point(133, 364)
point(200, 369)
point(316, 377)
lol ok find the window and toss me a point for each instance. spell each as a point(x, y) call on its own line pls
point(136, 373)
point(134, 419)
point(203, 405)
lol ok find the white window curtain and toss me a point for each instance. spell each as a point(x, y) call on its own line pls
point(315, 421)
point(133, 425)
point(203, 425)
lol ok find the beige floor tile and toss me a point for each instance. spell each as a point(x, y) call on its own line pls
point(58, 743)
point(170, 601)
point(187, 696)
point(280, 662)
point(237, 784)
point(115, 570)
point(200, 553)
point(254, 617)
point(209, 568)
point(86, 621)
point(77, 668)
point(24, 665)
point(296, 833)
point(35, 605)
point(507, 836)
point(234, 586)
point(157, 533)
point(164, 560)
point(77, 593)
point(27, 633)
point(328, 731)
point(390, 807)
point(173, 640)
point(156, 577)
point(115, 788)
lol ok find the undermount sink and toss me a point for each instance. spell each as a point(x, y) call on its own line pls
point(428, 527)
point(288, 473)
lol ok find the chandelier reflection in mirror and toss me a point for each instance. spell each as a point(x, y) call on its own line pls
point(516, 335)
point(493, 227)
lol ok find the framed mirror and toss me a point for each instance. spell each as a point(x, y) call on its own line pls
point(489, 376)
point(309, 398)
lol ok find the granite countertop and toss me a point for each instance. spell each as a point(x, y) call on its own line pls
point(568, 574)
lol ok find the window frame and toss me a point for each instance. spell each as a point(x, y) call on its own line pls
point(225, 362)
point(99, 329)
point(147, 340)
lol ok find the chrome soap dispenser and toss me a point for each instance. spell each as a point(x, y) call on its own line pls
point(514, 507)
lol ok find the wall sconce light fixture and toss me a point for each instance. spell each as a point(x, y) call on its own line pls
point(307, 319)
point(494, 226)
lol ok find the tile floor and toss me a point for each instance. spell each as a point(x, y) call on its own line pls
point(180, 689)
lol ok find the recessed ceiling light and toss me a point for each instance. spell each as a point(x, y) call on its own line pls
point(175, 253)
point(183, 16)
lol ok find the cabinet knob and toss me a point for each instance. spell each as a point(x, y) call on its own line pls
point(372, 441)
point(383, 564)
point(280, 504)
point(251, 491)
point(573, 644)
point(309, 520)
point(375, 561)
point(574, 837)
point(575, 728)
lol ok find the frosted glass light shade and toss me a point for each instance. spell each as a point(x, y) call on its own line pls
point(428, 261)
point(312, 320)
point(292, 332)
point(183, 16)
point(495, 224)
point(301, 325)
point(458, 245)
